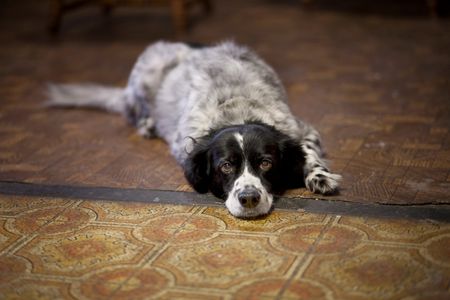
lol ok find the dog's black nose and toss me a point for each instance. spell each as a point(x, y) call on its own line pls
point(249, 198)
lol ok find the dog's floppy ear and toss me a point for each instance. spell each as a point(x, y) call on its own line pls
point(292, 161)
point(196, 168)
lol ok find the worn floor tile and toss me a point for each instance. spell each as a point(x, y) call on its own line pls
point(133, 213)
point(376, 272)
point(224, 261)
point(106, 250)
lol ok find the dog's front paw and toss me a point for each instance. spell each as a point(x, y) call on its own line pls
point(322, 182)
point(146, 127)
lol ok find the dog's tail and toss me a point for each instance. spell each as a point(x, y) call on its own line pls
point(86, 95)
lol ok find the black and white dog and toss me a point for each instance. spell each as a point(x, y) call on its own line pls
point(224, 113)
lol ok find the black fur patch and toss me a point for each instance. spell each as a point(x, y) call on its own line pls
point(260, 141)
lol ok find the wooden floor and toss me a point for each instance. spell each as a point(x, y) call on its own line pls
point(376, 87)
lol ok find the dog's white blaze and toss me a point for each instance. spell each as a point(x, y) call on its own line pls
point(247, 179)
point(240, 140)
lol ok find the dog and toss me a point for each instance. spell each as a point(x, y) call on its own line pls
point(223, 112)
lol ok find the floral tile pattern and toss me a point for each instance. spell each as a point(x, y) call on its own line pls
point(54, 248)
point(224, 261)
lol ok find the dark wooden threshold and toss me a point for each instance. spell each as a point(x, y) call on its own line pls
point(429, 211)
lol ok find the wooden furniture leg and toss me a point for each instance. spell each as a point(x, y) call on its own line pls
point(58, 8)
point(179, 15)
point(432, 7)
point(178, 10)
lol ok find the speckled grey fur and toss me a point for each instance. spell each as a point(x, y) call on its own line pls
point(180, 93)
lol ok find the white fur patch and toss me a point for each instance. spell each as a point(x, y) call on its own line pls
point(247, 179)
point(240, 140)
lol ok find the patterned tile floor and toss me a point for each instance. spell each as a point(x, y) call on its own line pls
point(55, 248)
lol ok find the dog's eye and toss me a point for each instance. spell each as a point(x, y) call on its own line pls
point(226, 168)
point(265, 165)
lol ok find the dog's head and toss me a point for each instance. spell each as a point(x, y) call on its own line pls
point(245, 165)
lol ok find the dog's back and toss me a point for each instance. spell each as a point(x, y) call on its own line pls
point(215, 87)
point(189, 96)
point(176, 91)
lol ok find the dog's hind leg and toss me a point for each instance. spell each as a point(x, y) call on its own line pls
point(146, 127)
point(145, 81)
point(318, 177)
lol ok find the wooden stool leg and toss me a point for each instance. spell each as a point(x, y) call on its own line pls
point(179, 16)
point(207, 6)
point(106, 6)
point(56, 11)
point(58, 8)
point(432, 7)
